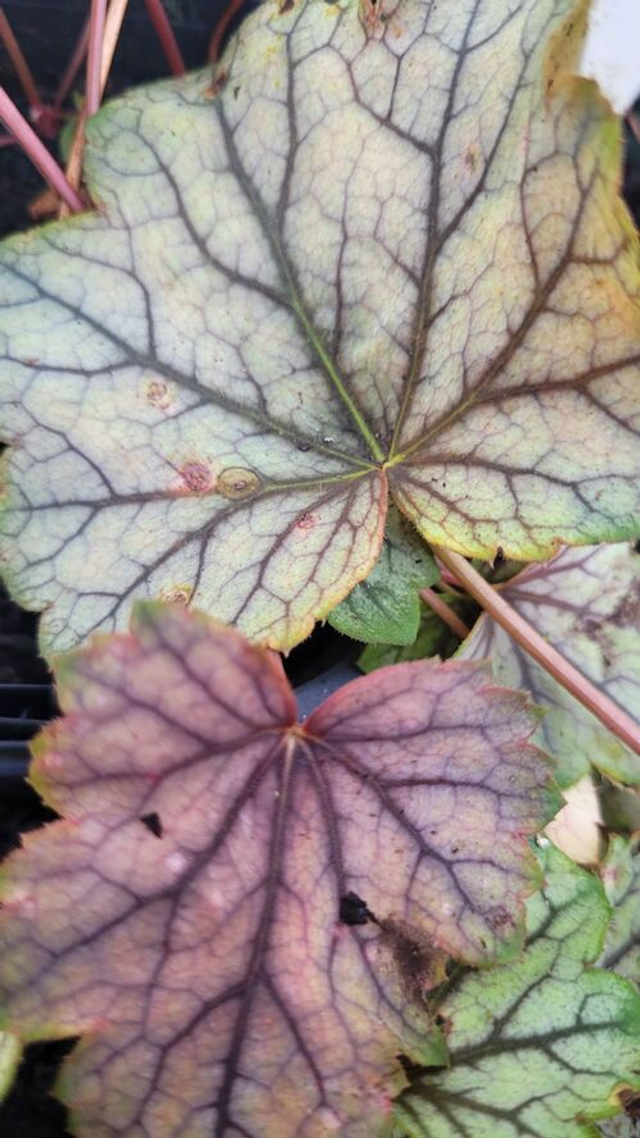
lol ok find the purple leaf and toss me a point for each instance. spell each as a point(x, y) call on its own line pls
point(241, 914)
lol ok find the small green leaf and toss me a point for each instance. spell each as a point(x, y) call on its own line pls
point(433, 634)
point(385, 609)
point(620, 873)
point(539, 1047)
point(10, 1054)
point(587, 603)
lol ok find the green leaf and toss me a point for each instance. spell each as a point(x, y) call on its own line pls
point(620, 873)
point(385, 609)
point(587, 603)
point(10, 1055)
point(541, 1046)
point(186, 914)
point(425, 645)
point(380, 252)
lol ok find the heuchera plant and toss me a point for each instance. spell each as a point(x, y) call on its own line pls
point(356, 305)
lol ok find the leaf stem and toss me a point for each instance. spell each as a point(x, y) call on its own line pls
point(111, 32)
point(612, 716)
point(442, 609)
point(21, 68)
point(26, 137)
point(220, 28)
point(94, 56)
point(72, 68)
point(164, 32)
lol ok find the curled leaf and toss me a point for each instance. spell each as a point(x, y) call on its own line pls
point(381, 252)
point(240, 914)
point(541, 1047)
point(577, 827)
point(587, 602)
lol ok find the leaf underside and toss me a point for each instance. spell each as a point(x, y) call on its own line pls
point(586, 602)
point(378, 251)
point(540, 1047)
point(185, 917)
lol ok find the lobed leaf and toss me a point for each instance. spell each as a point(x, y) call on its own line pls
point(587, 602)
point(379, 250)
point(542, 1046)
point(240, 915)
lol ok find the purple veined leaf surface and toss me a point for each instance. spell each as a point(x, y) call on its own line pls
point(186, 917)
point(379, 251)
point(587, 602)
point(540, 1048)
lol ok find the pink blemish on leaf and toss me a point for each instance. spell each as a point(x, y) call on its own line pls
point(197, 914)
point(471, 158)
point(217, 85)
point(373, 18)
point(306, 521)
point(385, 1103)
point(329, 1119)
point(22, 903)
point(197, 477)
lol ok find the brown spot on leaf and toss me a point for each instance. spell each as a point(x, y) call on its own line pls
point(471, 158)
point(372, 17)
point(420, 964)
point(237, 482)
point(498, 917)
point(197, 477)
point(177, 594)
point(287, 6)
point(444, 1023)
point(217, 85)
point(156, 392)
point(630, 1102)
